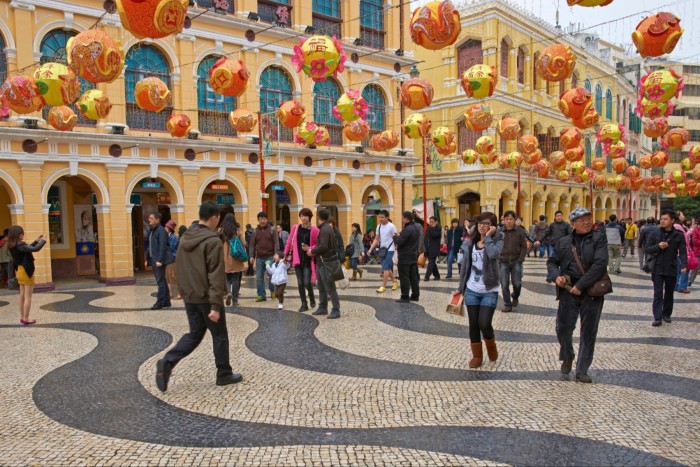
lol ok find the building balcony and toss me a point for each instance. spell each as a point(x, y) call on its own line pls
point(326, 25)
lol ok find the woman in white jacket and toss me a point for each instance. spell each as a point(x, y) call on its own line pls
point(277, 270)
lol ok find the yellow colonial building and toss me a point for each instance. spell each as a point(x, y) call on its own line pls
point(497, 33)
point(100, 181)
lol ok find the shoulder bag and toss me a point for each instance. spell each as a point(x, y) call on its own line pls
point(601, 287)
point(383, 250)
point(332, 263)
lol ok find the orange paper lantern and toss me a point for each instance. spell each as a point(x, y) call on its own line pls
point(558, 160)
point(229, 77)
point(94, 105)
point(435, 25)
point(575, 154)
point(621, 182)
point(95, 56)
point(696, 174)
point(528, 144)
point(574, 103)
point(21, 94)
point(617, 150)
point(478, 117)
point(62, 118)
point(357, 130)
point(675, 138)
point(479, 81)
point(599, 181)
point(151, 94)
point(556, 63)
point(152, 18)
point(589, 119)
point(645, 162)
point(444, 140)
point(508, 128)
point(416, 93)
point(533, 157)
point(659, 159)
point(178, 125)
point(291, 114)
point(657, 34)
point(570, 138)
point(655, 128)
point(598, 164)
point(384, 141)
point(242, 120)
point(620, 165)
point(543, 169)
point(636, 183)
point(633, 171)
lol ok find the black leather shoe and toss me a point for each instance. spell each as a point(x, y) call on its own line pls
point(507, 309)
point(167, 305)
point(581, 378)
point(319, 312)
point(157, 306)
point(566, 366)
point(667, 319)
point(427, 279)
point(335, 314)
point(515, 302)
point(230, 379)
point(312, 304)
point(303, 308)
point(657, 322)
point(163, 370)
point(414, 299)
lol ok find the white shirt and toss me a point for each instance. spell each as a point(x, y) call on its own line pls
point(476, 278)
point(385, 234)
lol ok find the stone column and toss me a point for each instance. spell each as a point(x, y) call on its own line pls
point(190, 210)
point(117, 238)
point(36, 221)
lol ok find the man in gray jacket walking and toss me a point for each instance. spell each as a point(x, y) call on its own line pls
point(615, 233)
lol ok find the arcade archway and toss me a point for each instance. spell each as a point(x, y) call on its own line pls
point(375, 198)
point(332, 197)
point(282, 204)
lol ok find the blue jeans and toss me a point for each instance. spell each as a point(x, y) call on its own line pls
point(451, 255)
point(541, 248)
point(260, 277)
point(682, 282)
point(511, 272)
point(488, 299)
point(550, 250)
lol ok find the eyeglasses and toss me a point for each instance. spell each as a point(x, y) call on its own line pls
point(485, 224)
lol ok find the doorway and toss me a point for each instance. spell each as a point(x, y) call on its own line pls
point(148, 196)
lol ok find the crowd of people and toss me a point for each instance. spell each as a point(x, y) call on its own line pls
point(204, 264)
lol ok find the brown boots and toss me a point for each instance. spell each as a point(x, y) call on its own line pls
point(491, 349)
point(478, 352)
point(355, 272)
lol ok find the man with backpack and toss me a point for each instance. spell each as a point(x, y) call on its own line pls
point(263, 244)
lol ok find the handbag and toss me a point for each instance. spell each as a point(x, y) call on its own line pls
point(346, 263)
point(12, 284)
point(649, 263)
point(456, 304)
point(692, 261)
point(383, 250)
point(236, 249)
point(332, 263)
point(421, 260)
point(349, 250)
point(601, 287)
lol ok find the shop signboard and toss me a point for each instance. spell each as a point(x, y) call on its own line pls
point(150, 185)
point(224, 199)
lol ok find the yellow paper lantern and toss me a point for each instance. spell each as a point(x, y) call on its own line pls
point(435, 25)
point(94, 105)
point(578, 167)
point(661, 85)
point(21, 94)
point(57, 84)
point(356, 130)
point(610, 133)
point(291, 114)
point(151, 94)
point(479, 81)
point(242, 120)
point(583, 177)
point(62, 118)
point(320, 57)
point(617, 150)
point(688, 164)
point(416, 126)
point(563, 175)
point(556, 63)
point(484, 145)
point(323, 136)
point(677, 176)
point(653, 110)
point(95, 56)
point(470, 156)
point(350, 106)
point(488, 159)
point(514, 159)
point(416, 93)
point(694, 153)
point(229, 77)
point(588, 3)
point(444, 139)
point(178, 125)
point(306, 133)
point(152, 18)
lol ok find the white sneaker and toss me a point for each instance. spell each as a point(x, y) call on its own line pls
point(280, 306)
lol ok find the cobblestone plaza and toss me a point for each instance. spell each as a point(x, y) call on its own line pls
point(387, 384)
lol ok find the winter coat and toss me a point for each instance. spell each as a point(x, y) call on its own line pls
point(492, 250)
point(540, 231)
point(278, 272)
point(158, 243)
point(667, 259)
point(615, 233)
point(514, 245)
point(454, 239)
point(432, 241)
point(695, 240)
point(173, 242)
point(22, 255)
point(326, 238)
point(264, 242)
point(408, 242)
point(557, 230)
point(356, 242)
point(293, 246)
point(593, 253)
point(231, 264)
point(200, 267)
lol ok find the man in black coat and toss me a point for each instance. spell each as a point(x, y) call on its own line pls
point(454, 241)
point(664, 248)
point(572, 284)
point(432, 248)
point(157, 256)
point(408, 243)
point(511, 260)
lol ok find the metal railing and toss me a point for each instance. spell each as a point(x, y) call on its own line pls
point(138, 119)
point(273, 12)
point(372, 38)
point(215, 123)
point(221, 7)
point(326, 25)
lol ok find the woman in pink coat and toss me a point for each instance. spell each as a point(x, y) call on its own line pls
point(304, 266)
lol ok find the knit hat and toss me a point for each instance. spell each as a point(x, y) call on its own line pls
point(171, 223)
point(579, 212)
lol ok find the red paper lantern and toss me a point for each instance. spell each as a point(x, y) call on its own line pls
point(178, 125)
point(416, 93)
point(598, 164)
point(21, 94)
point(62, 118)
point(152, 18)
point(435, 25)
point(478, 117)
point(95, 56)
point(242, 120)
point(151, 94)
point(291, 114)
point(229, 77)
point(570, 138)
point(657, 35)
point(528, 144)
point(589, 119)
point(655, 128)
point(675, 138)
point(574, 103)
point(357, 130)
point(556, 63)
point(575, 154)
point(508, 128)
point(659, 159)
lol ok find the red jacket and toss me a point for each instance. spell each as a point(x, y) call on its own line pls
point(695, 239)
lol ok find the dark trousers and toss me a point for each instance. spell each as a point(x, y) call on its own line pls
point(570, 308)
point(163, 296)
point(279, 291)
point(480, 322)
point(198, 317)
point(664, 287)
point(326, 288)
point(409, 280)
point(233, 284)
point(304, 283)
point(432, 269)
point(511, 272)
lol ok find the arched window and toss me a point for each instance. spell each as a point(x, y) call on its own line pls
point(372, 23)
point(599, 99)
point(468, 55)
point(376, 112)
point(326, 94)
point(587, 85)
point(504, 58)
point(521, 65)
point(608, 104)
point(212, 108)
point(535, 78)
point(574, 80)
point(53, 49)
point(326, 17)
point(587, 150)
point(275, 88)
point(143, 61)
point(466, 138)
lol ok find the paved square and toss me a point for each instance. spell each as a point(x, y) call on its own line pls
point(387, 384)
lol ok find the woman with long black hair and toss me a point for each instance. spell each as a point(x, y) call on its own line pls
point(480, 283)
point(23, 264)
point(358, 251)
point(234, 267)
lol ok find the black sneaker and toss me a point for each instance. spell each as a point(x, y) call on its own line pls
point(335, 314)
point(515, 301)
point(312, 304)
point(163, 370)
point(402, 300)
point(581, 378)
point(414, 299)
point(507, 309)
point(167, 305)
point(566, 366)
point(667, 319)
point(319, 312)
point(229, 379)
point(303, 308)
point(657, 323)
point(157, 306)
